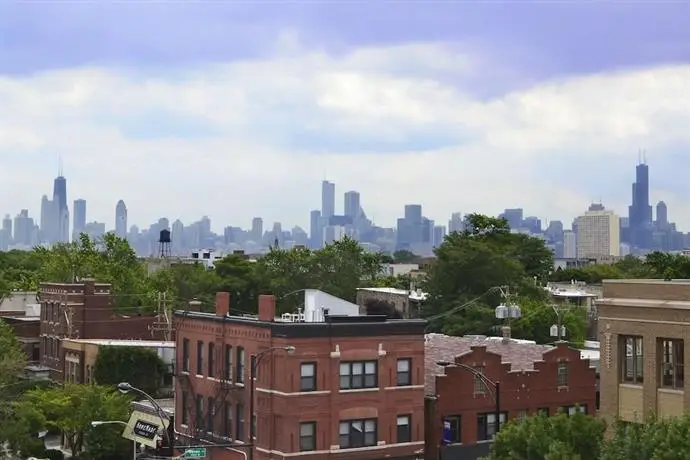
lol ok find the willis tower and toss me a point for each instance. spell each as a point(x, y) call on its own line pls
point(640, 211)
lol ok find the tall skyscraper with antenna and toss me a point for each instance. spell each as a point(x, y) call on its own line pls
point(62, 211)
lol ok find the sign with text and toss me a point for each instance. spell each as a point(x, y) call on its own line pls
point(145, 429)
point(194, 453)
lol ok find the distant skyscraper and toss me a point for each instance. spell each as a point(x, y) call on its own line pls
point(640, 211)
point(569, 244)
point(661, 214)
point(49, 220)
point(121, 219)
point(351, 205)
point(60, 199)
point(598, 233)
point(327, 199)
point(315, 229)
point(456, 223)
point(257, 229)
point(79, 219)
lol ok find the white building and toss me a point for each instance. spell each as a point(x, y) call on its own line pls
point(598, 233)
point(569, 244)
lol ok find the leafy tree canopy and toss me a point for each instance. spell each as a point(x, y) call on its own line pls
point(470, 264)
point(12, 357)
point(138, 366)
point(70, 409)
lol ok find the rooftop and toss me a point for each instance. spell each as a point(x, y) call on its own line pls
point(167, 404)
point(647, 281)
point(520, 354)
point(414, 295)
point(126, 343)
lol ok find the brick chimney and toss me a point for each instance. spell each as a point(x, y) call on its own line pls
point(267, 308)
point(505, 332)
point(222, 303)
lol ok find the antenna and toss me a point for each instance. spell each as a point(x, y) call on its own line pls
point(60, 165)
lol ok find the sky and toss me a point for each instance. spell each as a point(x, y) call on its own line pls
point(236, 109)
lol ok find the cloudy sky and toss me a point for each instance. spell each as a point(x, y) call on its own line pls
point(240, 108)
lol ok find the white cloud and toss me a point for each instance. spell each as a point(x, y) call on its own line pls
point(278, 126)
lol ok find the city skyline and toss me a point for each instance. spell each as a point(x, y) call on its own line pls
point(492, 116)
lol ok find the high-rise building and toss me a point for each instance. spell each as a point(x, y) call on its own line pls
point(49, 220)
point(121, 219)
point(640, 211)
point(598, 233)
point(315, 229)
point(569, 244)
point(60, 199)
point(327, 199)
point(351, 205)
point(456, 223)
point(79, 219)
point(661, 214)
point(257, 229)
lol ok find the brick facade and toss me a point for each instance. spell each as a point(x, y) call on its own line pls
point(529, 384)
point(644, 333)
point(82, 310)
point(282, 404)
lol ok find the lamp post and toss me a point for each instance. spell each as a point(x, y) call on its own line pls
point(495, 386)
point(252, 387)
point(96, 423)
point(125, 388)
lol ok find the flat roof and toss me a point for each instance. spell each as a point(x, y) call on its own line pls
point(23, 318)
point(414, 295)
point(144, 405)
point(125, 343)
point(520, 354)
point(340, 326)
point(646, 281)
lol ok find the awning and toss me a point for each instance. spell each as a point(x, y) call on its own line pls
point(145, 428)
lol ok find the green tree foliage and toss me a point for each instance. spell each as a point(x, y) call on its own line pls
point(109, 260)
point(538, 317)
point(12, 357)
point(471, 263)
point(656, 265)
point(403, 256)
point(656, 439)
point(138, 366)
point(70, 409)
point(560, 437)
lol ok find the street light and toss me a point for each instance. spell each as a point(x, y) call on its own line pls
point(125, 387)
point(252, 384)
point(495, 386)
point(96, 423)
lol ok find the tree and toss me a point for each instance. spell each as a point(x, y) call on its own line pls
point(656, 439)
point(71, 409)
point(110, 260)
point(538, 317)
point(138, 366)
point(470, 265)
point(560, 437)
point(404, 256)
point(382, 307)
point(182, 283)
point(12, 357)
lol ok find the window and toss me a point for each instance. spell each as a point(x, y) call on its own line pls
point(404, 428)
point(227, 420)
point(360, 374)
point(239, 377)
point(210, 415)
point(452, 429)
point(522, 415)
point(239, 424)
point(672, 363)
point(632, 357)
point(543, 411)
point(307, 377)
point(404, 372)
point(185, 412)
point(486, 425)
point(358, 433)
point(227, 372)
point(211, 359)
point(572, 410)
point(479, 383)
point(563, 376)
point(199, 412)
point(307, 436)
point(200, 358)
point(185, 355)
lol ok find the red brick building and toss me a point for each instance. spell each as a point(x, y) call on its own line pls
point(533, 379)
point(352, 388)
point(82, 311)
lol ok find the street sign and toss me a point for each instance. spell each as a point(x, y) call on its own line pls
point(194, 453)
